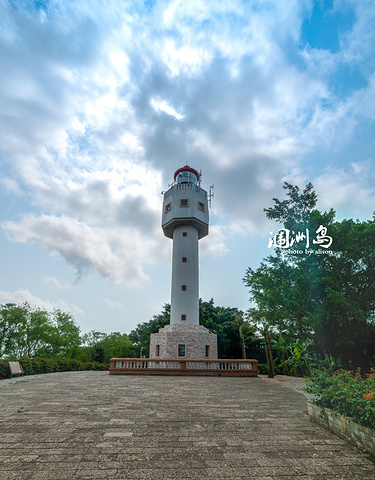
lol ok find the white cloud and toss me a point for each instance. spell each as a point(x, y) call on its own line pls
point(115, 304)
point(357, 42)
point(214, 244)
point(162, 106)
point(10, 185)
point(339, 187)
point(21, 296)
point(116, 255)
point(53, 282)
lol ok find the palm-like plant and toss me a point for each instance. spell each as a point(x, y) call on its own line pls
point(244, 329)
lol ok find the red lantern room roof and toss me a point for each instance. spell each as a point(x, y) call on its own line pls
point(186, 168)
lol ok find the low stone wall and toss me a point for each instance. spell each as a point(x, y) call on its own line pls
point(360, 436)
point(177, 366)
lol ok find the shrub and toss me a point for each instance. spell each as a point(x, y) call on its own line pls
point(3, 369)
point(35, 366)
point(262, 369)
point(345, 393)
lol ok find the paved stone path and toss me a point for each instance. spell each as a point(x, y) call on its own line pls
point(90, 425)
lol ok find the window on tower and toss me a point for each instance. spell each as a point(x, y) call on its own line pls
point(183, 288)
point(184, 259)
point(201, 207)
point(168, 207)
point(183, 317)
point(181, 350)
point(184, 234)
point(157, 353)
point(184, 202)
point(207, 352)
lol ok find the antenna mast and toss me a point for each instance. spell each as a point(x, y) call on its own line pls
point(210, 195)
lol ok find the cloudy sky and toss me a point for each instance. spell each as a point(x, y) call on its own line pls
point(101, 101)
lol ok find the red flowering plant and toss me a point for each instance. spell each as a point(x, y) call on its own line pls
point(345, 393)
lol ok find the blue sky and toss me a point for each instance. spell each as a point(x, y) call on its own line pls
point(102, 101)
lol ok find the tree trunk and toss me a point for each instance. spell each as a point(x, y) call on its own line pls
point(285, 358)
point(271, 357)
point(243, 344)
point(270, 363)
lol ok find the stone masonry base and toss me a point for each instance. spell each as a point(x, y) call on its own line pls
point(197, 339)
point(358, 435)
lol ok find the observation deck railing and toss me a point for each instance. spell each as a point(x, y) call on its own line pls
point(183, 366)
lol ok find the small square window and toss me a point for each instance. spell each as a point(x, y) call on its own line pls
point(183, 288)
point(181, 350)
point(201, 206)
point(184, 259)
point(183, 317)
point(184, 234)
point(184, 202)
point(168, 207)
point(157, 350)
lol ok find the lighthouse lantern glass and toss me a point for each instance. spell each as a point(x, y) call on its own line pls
point(186, 177)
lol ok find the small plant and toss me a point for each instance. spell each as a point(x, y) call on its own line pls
point(345, 393)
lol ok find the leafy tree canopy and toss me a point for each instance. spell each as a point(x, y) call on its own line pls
point(327, 301)
point(32, 331)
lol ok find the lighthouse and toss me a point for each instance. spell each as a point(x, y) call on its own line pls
point(185, 221)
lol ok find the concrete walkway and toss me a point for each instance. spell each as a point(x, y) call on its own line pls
point(90, 425)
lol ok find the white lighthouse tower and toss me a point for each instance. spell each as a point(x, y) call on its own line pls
point(185, 221)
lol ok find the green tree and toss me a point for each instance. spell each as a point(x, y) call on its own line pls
point(219, 320)
point(261, 324)
point(101, 346)
point(64, 335)
point(283, 347)
point(244, 330)
point(92, 346)
point(97, 353)
point(13, 319)
point(118, 345)
point(140, 336)
point(36, 330)
point(23, 330)
point(294, 212)
point(299, 359)
point(32, 331)
point(349, 316)
point(325, 299)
